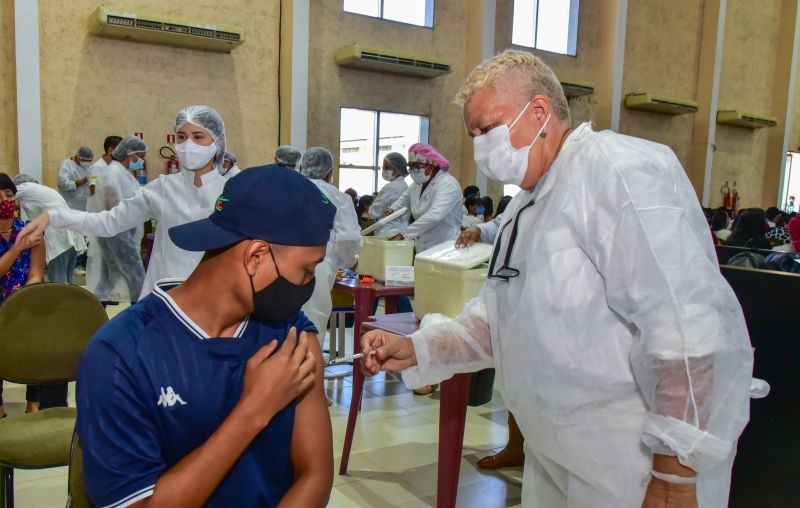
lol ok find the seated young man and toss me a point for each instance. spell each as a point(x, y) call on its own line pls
point(209, 391)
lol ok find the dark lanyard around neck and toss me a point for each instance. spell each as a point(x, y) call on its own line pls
point(505, 272)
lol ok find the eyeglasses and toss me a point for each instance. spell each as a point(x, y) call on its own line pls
point(505, 272)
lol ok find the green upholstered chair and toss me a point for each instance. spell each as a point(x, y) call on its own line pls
point(78, 495)
point(44, 328)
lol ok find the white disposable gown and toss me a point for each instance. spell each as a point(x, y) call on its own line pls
point(489, 229)
point(36, 199)
point(171, 200)
point(386, 196)
point(95, 170)
point(93, 204)
point(342, 251)
point(68, 172)
point(619, 338)
point(113, 265)
point(471, 220)
point(232, 172)
point(436, 212)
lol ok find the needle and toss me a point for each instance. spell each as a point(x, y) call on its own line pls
point(347, 359)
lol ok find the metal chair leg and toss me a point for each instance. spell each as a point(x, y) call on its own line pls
point(342, 320)
point(6, 487)
point(331, 336)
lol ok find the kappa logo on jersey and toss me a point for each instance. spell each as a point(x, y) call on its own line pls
point(169, 398)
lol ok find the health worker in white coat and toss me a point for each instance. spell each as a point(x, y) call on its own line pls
point(394, 171)
point(62, 246)
point(171, 200)
point(115, 258)
point(97, 168)
point(619, 347)
point(433, 200)
point(287, 155)
point(229, 167)
point(343, 243)
point(73, 178)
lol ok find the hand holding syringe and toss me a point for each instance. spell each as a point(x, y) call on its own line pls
point(347, 359)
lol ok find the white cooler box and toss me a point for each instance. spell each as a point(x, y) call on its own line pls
point(445, 278)
point(377, 253)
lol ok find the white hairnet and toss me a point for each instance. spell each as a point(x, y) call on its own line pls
point(207, 118)
point(230, 156)
point(128, 146)
point(317, 163)
point(24, 178)
point(398, 162)
point(85, 153)
point(287, 154)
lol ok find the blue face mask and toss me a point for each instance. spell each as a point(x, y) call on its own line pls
point(480, 211)
point(136, 165)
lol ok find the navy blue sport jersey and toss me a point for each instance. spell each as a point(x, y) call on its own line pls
point(152, 387)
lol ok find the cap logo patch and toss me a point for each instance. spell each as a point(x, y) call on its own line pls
point(220, 203)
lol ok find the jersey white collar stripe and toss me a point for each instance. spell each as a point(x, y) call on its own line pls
point(173, 307)
point(182, 317)
point(132, 498)
point(242, 327)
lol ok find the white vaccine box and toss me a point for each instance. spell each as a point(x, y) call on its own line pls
point(446, 278)
point(377, 253)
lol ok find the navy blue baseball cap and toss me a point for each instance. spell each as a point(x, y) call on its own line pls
point(271, 203)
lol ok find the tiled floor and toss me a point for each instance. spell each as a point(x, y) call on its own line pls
point(393, 459)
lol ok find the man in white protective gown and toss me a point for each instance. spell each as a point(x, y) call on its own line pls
point(344, 241)
point(619, 347)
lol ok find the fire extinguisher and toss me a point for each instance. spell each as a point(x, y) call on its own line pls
point(168, 153)
point(727, 202)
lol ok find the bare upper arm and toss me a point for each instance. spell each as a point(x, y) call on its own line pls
point(312, 440)
point(38, 260)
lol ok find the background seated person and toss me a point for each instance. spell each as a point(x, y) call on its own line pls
point(475, 211)
point(21, 263)
point(750, 230)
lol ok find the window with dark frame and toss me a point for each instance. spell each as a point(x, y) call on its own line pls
point(547, 25)
point(366, 136)
point(412, 12)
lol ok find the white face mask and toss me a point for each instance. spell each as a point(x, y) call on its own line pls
point(86, 165)
point(419, 176)
point(388, 175)
point(194, 156)
point(497, 157)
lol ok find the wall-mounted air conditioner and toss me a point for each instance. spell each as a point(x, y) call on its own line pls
point(575, 88)
point(384, 60)
point(157, 29)
point(747, 120)
point(659, 104)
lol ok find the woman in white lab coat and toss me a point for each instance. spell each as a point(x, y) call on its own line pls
point(171, 200)
point(433, 200)
point(343, 244)
point(394, 171)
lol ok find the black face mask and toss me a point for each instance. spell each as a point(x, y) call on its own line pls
point(280, 300)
